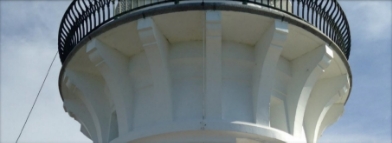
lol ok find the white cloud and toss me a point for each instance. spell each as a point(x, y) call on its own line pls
point(371, 19)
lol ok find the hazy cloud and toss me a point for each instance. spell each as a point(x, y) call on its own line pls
point(28, 44)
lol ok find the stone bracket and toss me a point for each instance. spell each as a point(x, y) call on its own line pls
point(94, 100)
point(267, 51)
point(325, 93)
point(156, 48)
point(114, 69)
point(305, 71)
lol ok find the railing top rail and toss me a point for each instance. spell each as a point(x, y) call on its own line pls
point(84, 16)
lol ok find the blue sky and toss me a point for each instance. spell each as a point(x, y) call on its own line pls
point(28, 42)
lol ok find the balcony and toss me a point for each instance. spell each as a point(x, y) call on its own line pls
point(83, 17)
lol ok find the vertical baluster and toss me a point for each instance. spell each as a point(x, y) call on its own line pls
point(92, 14)
point(112, 7)
point(299, 10)
point(320, 17)
point(303, 9)
point(103, 16)
point(317, 15)
point(80, 29)
point(324, 20)
point(77, 29)
point(89, 22)
point(281, 4)
point(275, 4)
point(107, 9)
point(329, 19)
point(81, 19)
point(103, 13)
point(287, 6)
point(297, 7)
point(313, 11)
point(97, 18)
point(312, 8)
point(86, 18)
point(77, 26)
point(334, 22)
point(336, 37)
point(73, 26)
point(89, 18)
point(341, 27)
point(66, 21)
point(308, 13)
point(323, 16)
point(98, 13)
point(292, 6)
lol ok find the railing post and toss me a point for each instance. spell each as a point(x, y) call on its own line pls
point(244, 1)
point(176, 1)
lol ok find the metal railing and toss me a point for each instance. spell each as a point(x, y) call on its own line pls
point(84, 16)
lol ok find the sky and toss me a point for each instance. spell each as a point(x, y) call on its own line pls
point(28, 42)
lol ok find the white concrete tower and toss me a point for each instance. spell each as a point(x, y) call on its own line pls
point(204, 71)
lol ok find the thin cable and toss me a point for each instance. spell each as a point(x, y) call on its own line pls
point(35, 101)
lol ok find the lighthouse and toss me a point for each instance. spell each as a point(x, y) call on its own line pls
point(208, 71)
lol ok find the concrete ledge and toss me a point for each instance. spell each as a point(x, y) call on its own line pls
point(231, 129)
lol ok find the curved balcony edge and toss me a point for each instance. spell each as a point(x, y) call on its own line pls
point(84, 18)
point(208, 6)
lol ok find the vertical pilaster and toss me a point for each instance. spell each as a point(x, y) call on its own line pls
point(213, 45)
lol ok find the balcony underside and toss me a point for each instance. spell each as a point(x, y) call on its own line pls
point(162, 69)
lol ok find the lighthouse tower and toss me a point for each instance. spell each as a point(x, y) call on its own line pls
point(204, 71)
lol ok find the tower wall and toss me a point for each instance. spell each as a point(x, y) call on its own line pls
point(205, 76)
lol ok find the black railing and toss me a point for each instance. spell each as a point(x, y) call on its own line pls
point(84, 16)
